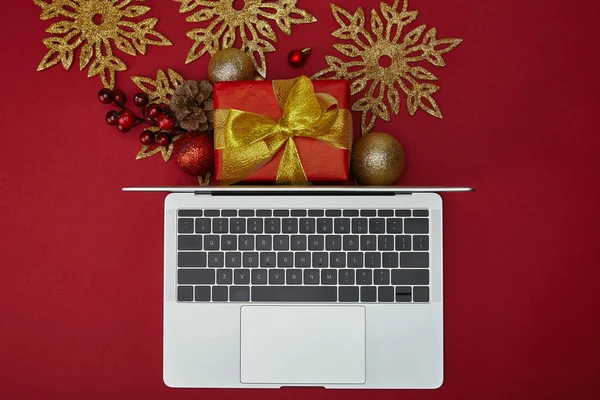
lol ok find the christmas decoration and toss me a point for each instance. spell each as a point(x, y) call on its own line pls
point(95, 25)
point(194, 153)
point(192, 105)
point(225, 21)
point(161, 89)
point(282, 131)
point(377, 160)
point(297, 58)
point(230, 65)
point(373, 51)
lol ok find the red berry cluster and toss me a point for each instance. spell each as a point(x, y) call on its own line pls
point(152, 114)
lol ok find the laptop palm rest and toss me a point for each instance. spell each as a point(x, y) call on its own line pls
point(302, 345)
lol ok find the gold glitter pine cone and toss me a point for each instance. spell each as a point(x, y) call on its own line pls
point(377, 160)
point(192, 104)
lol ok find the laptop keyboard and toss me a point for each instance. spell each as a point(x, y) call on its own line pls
point(302, 255)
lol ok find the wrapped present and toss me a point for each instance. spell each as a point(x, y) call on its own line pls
point(285, 131)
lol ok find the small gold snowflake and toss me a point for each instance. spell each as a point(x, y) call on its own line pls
point(227, 21)
point(370, 50)
point(94, 24)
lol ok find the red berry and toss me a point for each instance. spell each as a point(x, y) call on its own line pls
point(105, 96)
point(119, 96)
point(165, 122)
point(147, 138)
point(162, 139)
point(122, 129)
point(127, 118)
point(154, 111)
point(140, 99)
point(112, 117)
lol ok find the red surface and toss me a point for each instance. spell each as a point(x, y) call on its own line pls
point(321, 161)
point(81, 287)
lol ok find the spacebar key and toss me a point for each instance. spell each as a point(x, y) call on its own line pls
point(295, 293)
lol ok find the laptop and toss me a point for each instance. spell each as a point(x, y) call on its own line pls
point(335, 287)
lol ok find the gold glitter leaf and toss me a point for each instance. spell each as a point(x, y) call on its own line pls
point(161, 89)
point(250, 24)
point(95, 23)
point(385, 38)
point(204, 181)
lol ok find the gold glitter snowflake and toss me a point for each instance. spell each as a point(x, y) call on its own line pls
point(226, 22)
point(371, 49)
point(94, 24)
point(159, 91)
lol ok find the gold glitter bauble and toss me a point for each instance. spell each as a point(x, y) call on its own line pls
point(230, 65)
point(377, 160)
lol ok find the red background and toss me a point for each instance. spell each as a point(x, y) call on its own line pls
point(81, 290)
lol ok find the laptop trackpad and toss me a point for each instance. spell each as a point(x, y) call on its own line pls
point(312, 345)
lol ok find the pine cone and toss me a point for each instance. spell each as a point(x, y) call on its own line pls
point(192, 105)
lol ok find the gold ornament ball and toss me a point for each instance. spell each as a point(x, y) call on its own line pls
point(230, 65)
point(377, 160)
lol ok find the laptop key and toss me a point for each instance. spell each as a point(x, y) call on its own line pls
point(376, 225)
point(403, 213)
point(272, 225)
point(185, 293)
point(298, 242)
point(211, 213)
point(311, 276)
point(368, 213)
point(228, 242)
point(307, 225)
point(196, 259)
point(281, 242)
point(350, 213)
point(364, 277)
point(349, 294)
point(216, 259)
point(320, 260)
point(333, 242)
point(203, 225)
point(289, 225)
point(346, 277)
point(421, 242)
point(359, 225)
point(237, 225)
point(414, 260)
point(385, 243)
point(239, 293)
point(390, 260)
point(316, 242)
point(267, 260)
point(259, 276)
point(372, 259)
point(316, 213)
point(219, 293)
point(228, 213)
point(246, 242)
point(385, 294)
point(281, 213)
point(381, 277)
point(394, 225)
point(333, 213)
point(303, 260)
point(416, 225)
point(355, 259)
point(263, 213)
point(293, 277)
point(368, 294)
point(233, 259)
point(250, 259)
point(196, 276)
point(263, 242)
point(285, 260)
point(350, 242)
point(211, 242)
point(341, 225)
point(241, 276)
point(324, 225)
point(410, 277)
point(385, 213)
point(421, 213)
point(368, 242)
point(246, 213)
point(202, 293)
point(323, 294)
point(337, 260)
point(298, 213)
point(255, 225)
point(329, 277)
point(403, 294)
point(220, 225)
point(224, 277)
point(189, 213)
point(403, 243)
point(276, 277)
point(185, 225)
point(421, 294)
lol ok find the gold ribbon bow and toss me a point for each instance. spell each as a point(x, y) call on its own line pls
point(249, 140)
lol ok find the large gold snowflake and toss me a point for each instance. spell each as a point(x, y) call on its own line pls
point(371, 50)
point(227, 20)
point(94, 24)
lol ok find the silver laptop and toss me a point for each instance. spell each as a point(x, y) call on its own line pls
point(313, 286)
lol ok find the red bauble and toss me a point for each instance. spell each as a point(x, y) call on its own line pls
point(193, 153)
point(127, 118)
point(105, 96)
point(147, 138)
point(112, 117)
point(165, 122)
point(140, 99)
point(162, 139)
point(119, 96)
point(297, 58)
point(153, 110)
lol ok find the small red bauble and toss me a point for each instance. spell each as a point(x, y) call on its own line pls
point(165, 122)
point(105, 96)
point(193, 153)
point(123, 129)
point(126, 119)
point(112, 117)
point(154, 111)
point(140, 99)
point(147, 138)
point(297, 58)
point(162, 139)
point(119, 96)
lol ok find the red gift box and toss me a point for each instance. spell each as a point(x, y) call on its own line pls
point(321, 161)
